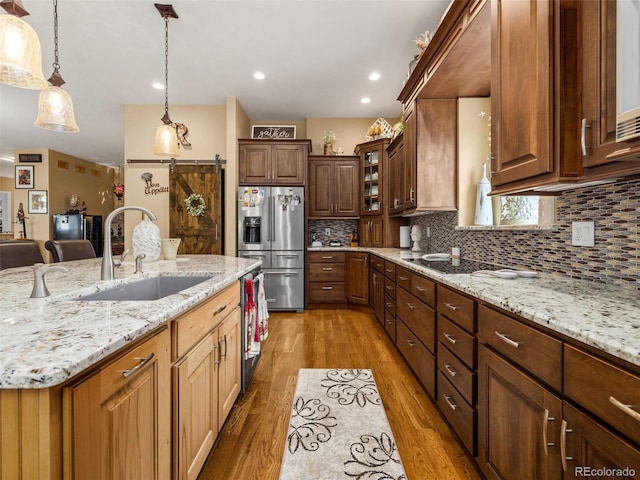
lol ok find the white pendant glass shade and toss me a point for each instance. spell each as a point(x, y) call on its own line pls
point(166, 142)
point(20, 54)
point(55, 111)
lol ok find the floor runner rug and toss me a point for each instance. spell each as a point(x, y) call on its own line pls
point(339, 430)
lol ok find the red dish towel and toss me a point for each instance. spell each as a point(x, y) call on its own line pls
point(252, 347)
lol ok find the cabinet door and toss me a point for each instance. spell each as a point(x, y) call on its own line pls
point(589, 444)
point(196, 406)
point(365, 232)
point(516, 414)
point(321, 188)
point(376, 290)
point(396, 177)
point(377, 232)
point(121, 417)
point(347, 189)
point(358, 278)
point(408, 185)
point(254, 164)
point(599, 81)
point(230, 357)
point(521, 89)
point(288, 164)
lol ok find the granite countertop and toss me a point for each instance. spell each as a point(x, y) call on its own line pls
point(46, 341)
point(603, 316)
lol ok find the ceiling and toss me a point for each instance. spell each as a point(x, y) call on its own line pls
point(317, 56)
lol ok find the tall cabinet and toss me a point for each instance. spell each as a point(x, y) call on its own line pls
point(377, 228)
point(334, 187)
point(277, 162)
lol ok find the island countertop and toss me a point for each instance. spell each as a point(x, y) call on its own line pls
point(46, 341)
point(602, 316)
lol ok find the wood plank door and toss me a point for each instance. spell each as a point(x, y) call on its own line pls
point(203, 234)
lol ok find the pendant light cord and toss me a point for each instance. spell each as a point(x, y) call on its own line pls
point(166, 66)
point(56, 65)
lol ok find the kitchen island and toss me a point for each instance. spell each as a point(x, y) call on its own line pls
point(62, 356)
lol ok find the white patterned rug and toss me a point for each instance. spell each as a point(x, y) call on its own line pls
point(339, 429)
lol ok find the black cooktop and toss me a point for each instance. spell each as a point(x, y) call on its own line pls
point(460, 265)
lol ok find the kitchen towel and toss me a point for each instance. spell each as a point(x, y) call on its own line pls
point(263, 312)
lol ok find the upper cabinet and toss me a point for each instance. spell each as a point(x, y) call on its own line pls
point(277, 162)
point(334, 187)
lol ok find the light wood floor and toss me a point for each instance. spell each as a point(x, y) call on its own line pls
point(252, 441)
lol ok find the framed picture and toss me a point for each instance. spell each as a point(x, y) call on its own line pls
point(30, 157)
point(24, 176)
point(38, 201)
point(273, 132)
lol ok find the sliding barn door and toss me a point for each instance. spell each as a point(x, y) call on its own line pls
point(202, 234)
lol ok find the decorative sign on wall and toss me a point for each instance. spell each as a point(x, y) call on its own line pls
point(30, 157)
point(150, 187)
point(272, 132)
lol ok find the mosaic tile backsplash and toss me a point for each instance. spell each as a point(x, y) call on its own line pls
point(615, 209)
point(340, 230)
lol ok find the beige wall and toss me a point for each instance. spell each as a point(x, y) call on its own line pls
point(239, 127)
point(207, 134)
point(7, 184)
point(349, 132)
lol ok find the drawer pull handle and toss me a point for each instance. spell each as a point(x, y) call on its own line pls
point(449, 337)
point(138, 367)
point(420, 289)
point(449, 370)
point(628, 409)
point(388, 271)
point(545, 432)
point(411, 344)
point(389, 322)
point(326, 269)
point(388, 287)
point(220, 310)
point(411, 306)
point(507, 340)
point(327, 288)
point(563, 444)
point(452, 405)
point(389, 305)
point(328, 257)
point(451, 306)
point(402, 279)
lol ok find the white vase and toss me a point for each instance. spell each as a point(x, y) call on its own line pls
point(146, 239)
point(170, 248)
point(484, 207)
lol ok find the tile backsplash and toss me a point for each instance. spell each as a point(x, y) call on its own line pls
point(615, 209)
point(340, 230)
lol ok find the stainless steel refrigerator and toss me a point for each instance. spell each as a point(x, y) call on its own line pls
point(271, 228)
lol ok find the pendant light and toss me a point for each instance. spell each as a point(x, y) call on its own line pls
point(166, 136)
point(55, 108)
point(20, 53)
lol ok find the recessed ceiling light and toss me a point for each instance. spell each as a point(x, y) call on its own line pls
point(259, 76)
point(374, 76)
point(7, 159)
point(365, 100)
point(158, 86)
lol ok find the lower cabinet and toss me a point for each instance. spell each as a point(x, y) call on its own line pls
point(357, 271)
point(326, 277)
point(376, 287)
point(119, 420)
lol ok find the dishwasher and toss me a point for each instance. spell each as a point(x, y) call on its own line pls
point(248, 293)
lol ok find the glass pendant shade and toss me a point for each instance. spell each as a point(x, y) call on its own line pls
point(55, 111)
point(166, 141)
point(20, 54)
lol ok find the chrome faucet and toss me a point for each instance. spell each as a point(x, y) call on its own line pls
point(107, 258)
point(139, 259)
point(40, 289)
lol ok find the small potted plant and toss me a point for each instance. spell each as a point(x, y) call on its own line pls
point(329, 138)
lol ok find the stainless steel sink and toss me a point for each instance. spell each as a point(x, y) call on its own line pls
point(148, 289)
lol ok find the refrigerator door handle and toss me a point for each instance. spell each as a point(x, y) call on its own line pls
point(273, 218)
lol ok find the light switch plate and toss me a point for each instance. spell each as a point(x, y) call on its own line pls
point(583, 234)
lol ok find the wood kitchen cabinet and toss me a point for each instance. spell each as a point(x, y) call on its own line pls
point(334, 187)
point(376, 287)
point(371, 231)
point(397, 175)
point(326, 277)
point(357, 272)
point(120, 417)
point(277, 162)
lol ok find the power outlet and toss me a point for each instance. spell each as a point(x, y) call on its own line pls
point(583, 234)
point(427, 231)
point(327, 232)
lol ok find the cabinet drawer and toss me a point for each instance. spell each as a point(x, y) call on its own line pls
point(424, 289)
point(419, 358)
point(533, 350)
point(403, 278)
point(603, 388)
point(191, 327)
point(461, 343)
point(326, 272)
point(390, 305)
point(458, 412)
point(329, 257)
point(457, 373)
point(377, 263)
point(326, 292)
point(457, 307)
point(389, 287)
point(390, 270)
point(418, 317)
point(390, 325)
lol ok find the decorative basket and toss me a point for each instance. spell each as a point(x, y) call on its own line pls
point(379, 129)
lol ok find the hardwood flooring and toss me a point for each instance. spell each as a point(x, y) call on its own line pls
point(252, 441)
